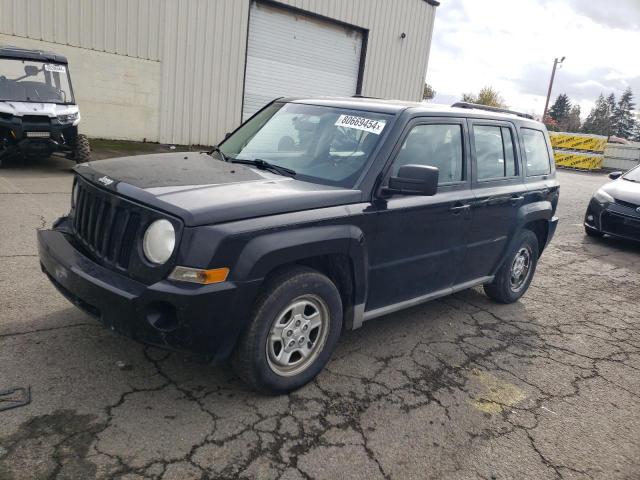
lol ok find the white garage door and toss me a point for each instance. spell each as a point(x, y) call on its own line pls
point(289, 54)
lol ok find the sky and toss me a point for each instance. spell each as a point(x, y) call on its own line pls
point(511, 45)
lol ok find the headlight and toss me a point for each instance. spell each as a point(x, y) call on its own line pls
point(70, 118)
point(603, 197)
point(159, 241)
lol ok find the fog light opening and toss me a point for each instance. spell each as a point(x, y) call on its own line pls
point(162, 316)
point(590, 218)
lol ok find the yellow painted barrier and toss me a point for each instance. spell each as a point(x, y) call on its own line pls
point(578, 141)
point(580, 160)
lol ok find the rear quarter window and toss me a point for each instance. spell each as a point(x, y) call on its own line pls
point(535, 152)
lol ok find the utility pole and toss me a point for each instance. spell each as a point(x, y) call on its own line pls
point(556, 62)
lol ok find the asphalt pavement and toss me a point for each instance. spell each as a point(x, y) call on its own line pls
point(459, 388)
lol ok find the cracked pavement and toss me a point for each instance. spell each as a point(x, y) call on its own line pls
point(459, 388)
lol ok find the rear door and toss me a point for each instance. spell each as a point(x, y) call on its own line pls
point(499, 190)
point(420, 241)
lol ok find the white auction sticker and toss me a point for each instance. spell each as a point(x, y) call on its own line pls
point(361, 123)
point(52, 67)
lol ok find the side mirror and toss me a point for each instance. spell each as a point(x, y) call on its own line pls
point(615, 175)
point(415, 180)
point(227, 135)
point(30, 70)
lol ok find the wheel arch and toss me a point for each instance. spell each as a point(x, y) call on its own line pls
point(536, 217)
point(337, 251)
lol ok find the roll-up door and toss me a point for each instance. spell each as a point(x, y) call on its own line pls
point(292, 54)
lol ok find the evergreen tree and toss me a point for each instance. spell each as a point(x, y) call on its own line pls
point(623, 120)
point(599, 120)
point(611, 103)
point(560, 109)
point(636, 133)
point(572, 124)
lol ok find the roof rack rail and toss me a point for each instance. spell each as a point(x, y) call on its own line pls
point(491, 109)
point(358, 95)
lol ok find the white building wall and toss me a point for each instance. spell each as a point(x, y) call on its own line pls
point(201, 48)
point(119, 96)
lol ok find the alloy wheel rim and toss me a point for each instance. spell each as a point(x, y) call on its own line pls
point(520, 269)
point(297, 335)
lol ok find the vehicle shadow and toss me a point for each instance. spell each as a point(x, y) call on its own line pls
point(84, 378)
point(93, 353)
point(48, 165)
point(621, 244)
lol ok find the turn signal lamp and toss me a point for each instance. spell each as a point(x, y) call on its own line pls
point(197, 275)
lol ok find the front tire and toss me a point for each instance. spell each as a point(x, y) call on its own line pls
point(294, 328)
point(515, 275)
point(82, 149)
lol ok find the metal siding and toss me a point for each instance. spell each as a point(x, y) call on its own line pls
point(125, 27)
point(202, 47)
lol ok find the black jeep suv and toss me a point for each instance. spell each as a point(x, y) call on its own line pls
point(314, 216)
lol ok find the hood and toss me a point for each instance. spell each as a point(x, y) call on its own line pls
point(35, 108)
point(624, 190)
point(202, 190)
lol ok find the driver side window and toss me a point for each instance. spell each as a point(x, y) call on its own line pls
point(437, 145)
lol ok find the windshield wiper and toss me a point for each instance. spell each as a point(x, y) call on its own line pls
point(217, 149)
point(264, 165)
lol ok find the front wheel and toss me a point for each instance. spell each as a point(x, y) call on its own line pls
point(82, 149)
point(515, 275)
point(295, 326)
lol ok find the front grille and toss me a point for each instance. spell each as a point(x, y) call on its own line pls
point(627, 204)
point(105, 226)
point(621, 225)
point(36, 119)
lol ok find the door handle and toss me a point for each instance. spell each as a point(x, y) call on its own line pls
point(517, 198)
point(459, 207)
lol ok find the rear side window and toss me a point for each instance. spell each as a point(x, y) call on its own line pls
point(436, 145)
point(536, 153)
point(495, 156)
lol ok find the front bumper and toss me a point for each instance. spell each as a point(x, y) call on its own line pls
point(201, 319)
point(613, 219)
point(553, 225)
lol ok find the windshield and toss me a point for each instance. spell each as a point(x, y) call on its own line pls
point(31, 81)
point(633, 175)
point(321, 144)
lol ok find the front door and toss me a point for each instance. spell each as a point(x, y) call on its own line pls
point(499, 190)
point(420, 240)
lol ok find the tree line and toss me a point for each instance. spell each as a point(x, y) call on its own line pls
point(608, 116)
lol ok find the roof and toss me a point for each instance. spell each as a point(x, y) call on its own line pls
point(8, 51)
point(393, 107)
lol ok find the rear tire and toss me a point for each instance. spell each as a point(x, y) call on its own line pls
point(515, 275)
point(82, 149)
point(294, 328)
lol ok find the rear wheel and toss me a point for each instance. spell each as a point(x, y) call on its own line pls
point(515, 275)
point(294, 328)
point(82, 149)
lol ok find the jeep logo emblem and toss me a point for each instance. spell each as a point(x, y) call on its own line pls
point(106, 181)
